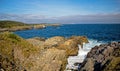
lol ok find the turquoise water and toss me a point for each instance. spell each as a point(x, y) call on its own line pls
point(99, 32)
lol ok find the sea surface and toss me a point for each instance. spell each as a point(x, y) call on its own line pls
point(96, 33)
point(100, 32)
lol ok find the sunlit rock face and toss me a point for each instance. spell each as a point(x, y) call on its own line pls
point(36, 54)
point(57, 47)
point(53, 60)
point(54, 41)
point(71, 44)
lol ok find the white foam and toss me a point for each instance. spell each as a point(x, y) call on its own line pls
point(81, 54)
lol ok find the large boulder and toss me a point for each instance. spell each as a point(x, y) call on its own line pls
point(52, 60)
point(105, 57)
point(71, 44)
point(54, 41)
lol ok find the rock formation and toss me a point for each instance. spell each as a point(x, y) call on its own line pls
point(16, 54)
point(105, 57)
point(71, 44)
point(54, 41)
point(36, 54)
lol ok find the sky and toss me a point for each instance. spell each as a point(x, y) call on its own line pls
point(61, 11)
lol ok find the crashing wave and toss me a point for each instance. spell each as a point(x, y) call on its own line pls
point(74, 60)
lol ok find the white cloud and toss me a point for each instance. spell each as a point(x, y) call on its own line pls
point(95, 18)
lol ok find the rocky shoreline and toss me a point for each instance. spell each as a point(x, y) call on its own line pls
point(40, 54)
point(28, 27)
point(105, 57)
point(37, 54)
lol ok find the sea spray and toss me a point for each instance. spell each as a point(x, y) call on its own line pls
point(74, 60)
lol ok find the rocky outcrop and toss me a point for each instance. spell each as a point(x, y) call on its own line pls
point(36, 54)
point(37, 42)
point(52, 60)
point(105, 57)
point(71, 44)
point(17, 28)
point(57, 47)
point(54, 41)
point(16, 54)
point(41, 26)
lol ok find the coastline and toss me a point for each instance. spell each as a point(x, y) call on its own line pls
point(18, 26)
point(52, 53)
point(105, 57)
point(74, 61)
point(44, 52)
point(32, 26)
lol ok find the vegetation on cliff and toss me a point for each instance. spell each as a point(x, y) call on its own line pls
point(14, 51)
point(36, 54)
point(16, 26)
point(10, 24)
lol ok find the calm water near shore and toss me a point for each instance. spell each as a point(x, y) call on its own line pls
point(96, 33)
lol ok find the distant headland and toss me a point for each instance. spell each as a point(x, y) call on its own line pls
point(17, 26)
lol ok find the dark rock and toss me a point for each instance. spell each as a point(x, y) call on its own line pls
point(76, 64)
point(105, 57)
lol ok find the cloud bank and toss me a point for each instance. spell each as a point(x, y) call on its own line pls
point(74, 19)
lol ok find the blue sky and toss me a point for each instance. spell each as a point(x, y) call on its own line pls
point(50, 10)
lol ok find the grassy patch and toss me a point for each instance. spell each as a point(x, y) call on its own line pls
point(10, 24)
point(9, 41)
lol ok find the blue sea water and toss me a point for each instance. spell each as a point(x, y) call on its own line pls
point(99, 32)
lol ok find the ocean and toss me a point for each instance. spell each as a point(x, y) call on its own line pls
point(96, 33)
point(99, 32)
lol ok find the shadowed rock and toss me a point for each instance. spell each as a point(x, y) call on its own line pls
point(105, 57)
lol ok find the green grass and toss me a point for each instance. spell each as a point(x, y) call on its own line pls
point(9, 41)
point(14, 48)
point(10, 24)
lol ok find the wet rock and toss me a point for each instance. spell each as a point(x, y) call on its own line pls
point(105, 57)
point(80, 39)
point(71, 45)
point(76, 64)
point(89, 65)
